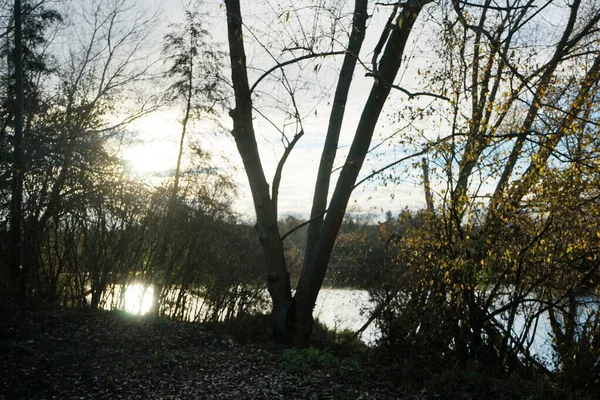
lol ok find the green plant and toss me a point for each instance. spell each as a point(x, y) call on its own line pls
point(306, 360)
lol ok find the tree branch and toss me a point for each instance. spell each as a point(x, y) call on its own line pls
point(278, 171)
point(490, 7)
point(415, 94)
point(419, 153)
point(293, 61)
point(288, 233)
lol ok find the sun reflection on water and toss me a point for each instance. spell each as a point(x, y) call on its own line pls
point(138, 298)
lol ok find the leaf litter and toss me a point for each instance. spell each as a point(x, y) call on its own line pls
point(83, 354)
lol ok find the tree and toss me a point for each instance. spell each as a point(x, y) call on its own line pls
point(531, 112)
point(516, 169)
point(195, 69)
point(27, 25)
point(17, 276)
point(293, 314)
point(70, 115)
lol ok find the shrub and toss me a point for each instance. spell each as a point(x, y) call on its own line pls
point(306, 360)
point(246, 328)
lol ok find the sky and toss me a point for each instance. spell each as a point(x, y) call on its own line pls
point(157, 135)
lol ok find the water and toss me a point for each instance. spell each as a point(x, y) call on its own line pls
point(138, 299)
point(348, 309)
point(339, 309)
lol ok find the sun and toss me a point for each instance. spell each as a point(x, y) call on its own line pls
point(151, 157)
point(155, 145)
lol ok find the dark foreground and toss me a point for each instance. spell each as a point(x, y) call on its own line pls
point(75, 354)
point(78, 354)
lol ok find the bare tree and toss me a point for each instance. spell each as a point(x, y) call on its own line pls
point(293, 314)
point(107, 62)
point(194, 68)
point(17, 275)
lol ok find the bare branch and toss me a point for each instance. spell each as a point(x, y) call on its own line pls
point(401, 160)
point(293, 61)
point(491, 7)
point(278, 171)
point(412, 95)
point(288, 233)
point(380, 170)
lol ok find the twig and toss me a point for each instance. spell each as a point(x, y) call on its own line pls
point(415, 94)
point(419, 153)
point(293, 61)
point(288, 233)
point(496, 8)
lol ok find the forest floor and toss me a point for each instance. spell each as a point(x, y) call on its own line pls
point(78, 354)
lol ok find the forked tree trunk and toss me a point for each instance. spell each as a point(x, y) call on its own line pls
point(293, 317)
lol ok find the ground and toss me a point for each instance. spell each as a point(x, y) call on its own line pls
point(79, 354)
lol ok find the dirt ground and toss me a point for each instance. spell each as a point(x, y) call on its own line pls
point(79, 354)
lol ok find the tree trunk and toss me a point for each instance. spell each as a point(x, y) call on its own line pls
point(335, 126)
point(313, 271)
point(96, 295)
point(161, 288)
point(427, 186)
point(293, 319)
point(278, 280)
point(18, 275)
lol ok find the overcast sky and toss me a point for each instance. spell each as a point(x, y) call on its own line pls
point(159, 134)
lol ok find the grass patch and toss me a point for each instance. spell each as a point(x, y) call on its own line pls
point(307, 360)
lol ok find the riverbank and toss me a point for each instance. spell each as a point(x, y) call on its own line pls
point(68, 354)
point(81, 354)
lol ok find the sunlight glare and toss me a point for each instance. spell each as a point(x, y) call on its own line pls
point(151, 157)
point(137, 300)
point(156, 143)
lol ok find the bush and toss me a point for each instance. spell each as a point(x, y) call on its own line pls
point(246, 328)
point(306, 360)
point(472, 383)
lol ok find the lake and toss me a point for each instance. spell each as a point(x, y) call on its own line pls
point(338, 309)
point(342, 309)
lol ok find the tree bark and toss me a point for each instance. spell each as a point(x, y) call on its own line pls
point(18, 276)
point(293, 318)
point(335, 126)
point(313, 271)
point(278, 281)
